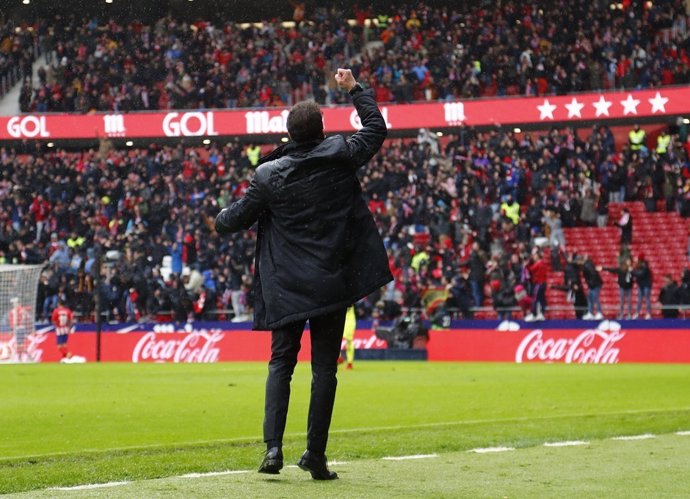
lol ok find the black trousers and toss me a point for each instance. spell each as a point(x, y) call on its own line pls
point(326, 339)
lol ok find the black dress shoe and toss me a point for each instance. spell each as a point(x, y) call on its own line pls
point(316, 464)
point(273, 461)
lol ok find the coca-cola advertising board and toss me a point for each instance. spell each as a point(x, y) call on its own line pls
point(666, 101)
point(191, 342)
point(607, 342)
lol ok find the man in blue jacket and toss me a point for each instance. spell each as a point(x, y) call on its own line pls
point(317, 252)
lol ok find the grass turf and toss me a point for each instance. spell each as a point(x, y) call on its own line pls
point(603, 468)
point(76, 424)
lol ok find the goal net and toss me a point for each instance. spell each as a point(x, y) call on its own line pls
point(18, 288)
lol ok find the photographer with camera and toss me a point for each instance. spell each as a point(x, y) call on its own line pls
point(403, 332)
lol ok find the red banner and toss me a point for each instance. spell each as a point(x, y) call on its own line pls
point(607, 343)
point(500, 111)
point(197, 345)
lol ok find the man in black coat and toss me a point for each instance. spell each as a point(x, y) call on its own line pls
point(626, 225)
point(669, 297)
point(594, 285)
point(317, 252)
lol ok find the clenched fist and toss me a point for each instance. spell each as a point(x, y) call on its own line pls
point(344, 79)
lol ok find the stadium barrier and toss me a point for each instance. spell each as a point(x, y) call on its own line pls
point(665, 341)
point(573, 108)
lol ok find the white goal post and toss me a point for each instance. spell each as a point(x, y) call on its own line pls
point(18, 289)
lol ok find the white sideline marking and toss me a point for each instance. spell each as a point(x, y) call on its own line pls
point(414, 456)
point(480, 450)
point(491, 449)
point(92, 486)
point(644, 436)
point(568, 443)
point(213, 473)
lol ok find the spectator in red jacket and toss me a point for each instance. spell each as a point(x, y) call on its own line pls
point(539, 270)
point(40, 209)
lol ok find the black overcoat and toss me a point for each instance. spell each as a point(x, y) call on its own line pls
point(318, 248)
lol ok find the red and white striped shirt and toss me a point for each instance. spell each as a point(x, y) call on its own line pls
point(62, 319)
point(19, 317)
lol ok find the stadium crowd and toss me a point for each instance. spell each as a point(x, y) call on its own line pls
point(19, 47)
point(411, 51)
point(462, 220)
point(474, 221)
point(175, 64)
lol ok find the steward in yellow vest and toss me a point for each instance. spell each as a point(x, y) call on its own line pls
point(662, 142)
point(637, 138)
point(511, 209)
point(253, 154)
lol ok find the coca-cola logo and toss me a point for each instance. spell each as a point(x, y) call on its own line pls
point(592, 346)
point(197, 346)
point(32, 352)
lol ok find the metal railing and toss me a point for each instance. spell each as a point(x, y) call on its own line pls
point(610, 312)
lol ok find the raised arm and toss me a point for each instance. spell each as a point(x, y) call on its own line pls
point(368, 140)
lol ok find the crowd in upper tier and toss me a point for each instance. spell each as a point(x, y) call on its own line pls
point(410, 51)
point(460, 216)
point(19, 47)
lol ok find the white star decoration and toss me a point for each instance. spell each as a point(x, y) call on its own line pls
point(602, 106)
point(574, 108)
point(658, 103)
point(630, 105)
point(546, 110)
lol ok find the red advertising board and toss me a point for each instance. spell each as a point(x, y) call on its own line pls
point(585, 346)
point(238, 122)
point(197, 345)
point(605, 343)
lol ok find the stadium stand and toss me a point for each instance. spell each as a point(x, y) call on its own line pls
point(464, 217)
point(19, 47)
point(410, 52)
point(149, 212)
point(178, 65)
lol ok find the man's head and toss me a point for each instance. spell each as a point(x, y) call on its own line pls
point(305, 122)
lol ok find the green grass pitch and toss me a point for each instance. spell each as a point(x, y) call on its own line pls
point(65, 425)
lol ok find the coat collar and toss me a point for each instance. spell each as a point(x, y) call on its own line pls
point(290, 148)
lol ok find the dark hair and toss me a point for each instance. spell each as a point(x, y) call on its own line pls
point(304, 121)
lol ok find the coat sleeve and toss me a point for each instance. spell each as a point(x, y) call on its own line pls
point(242, 214)
point(368, 140)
